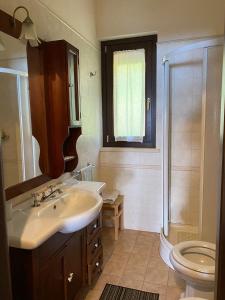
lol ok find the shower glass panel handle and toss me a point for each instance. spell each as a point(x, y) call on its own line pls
point(149, 102)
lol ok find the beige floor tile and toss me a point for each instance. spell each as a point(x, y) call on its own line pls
point(156, 276)
point(93, 295)
point(155, 249)
point(130, 283)
point(121, 257)
point(124, 246)
point(129, 233)
point(154, 235)
point(137, 259)
point(173, 293)
point(104, 279)
point(134, 262)
point(114, 268)
point(142, 241)
point(133, 276)
point(144, 250)
point(148, 236)
point(175, 280)
point(136, 272)
point(157, 263)
point(154, 288)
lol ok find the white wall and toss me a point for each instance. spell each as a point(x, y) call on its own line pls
point(79, 14)
point(174, 19)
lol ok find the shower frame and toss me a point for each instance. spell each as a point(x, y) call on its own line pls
point(166, 140)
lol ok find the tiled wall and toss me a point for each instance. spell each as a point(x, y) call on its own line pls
point(186, 131)
point(137, 175)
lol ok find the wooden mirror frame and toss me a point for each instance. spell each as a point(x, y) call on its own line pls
point(37, 106)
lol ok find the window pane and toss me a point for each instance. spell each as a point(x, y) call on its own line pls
point(129, 95)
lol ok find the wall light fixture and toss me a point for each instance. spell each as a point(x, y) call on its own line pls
point(28, 31)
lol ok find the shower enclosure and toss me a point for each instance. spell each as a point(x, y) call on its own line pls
point(20, 151)
point(191, 143)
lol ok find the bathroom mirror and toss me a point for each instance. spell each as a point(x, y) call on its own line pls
point(20, 150)
point(23, 117)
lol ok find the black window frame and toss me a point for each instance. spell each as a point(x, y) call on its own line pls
point(107, 48)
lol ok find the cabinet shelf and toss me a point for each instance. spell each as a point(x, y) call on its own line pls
point(69, 158)
point(75, 126)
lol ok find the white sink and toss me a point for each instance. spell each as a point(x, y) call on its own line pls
point(69, 212)
point(76, 209)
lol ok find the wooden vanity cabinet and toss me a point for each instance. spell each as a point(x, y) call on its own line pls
point(94, 250)
point(61, 277)
point(62, 268)
point(52, 278)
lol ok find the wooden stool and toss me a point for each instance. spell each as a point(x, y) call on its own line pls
point(117, 216)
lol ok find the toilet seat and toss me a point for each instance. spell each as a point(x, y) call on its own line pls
point(197, 273)
point(198, 246)
point(194, 261)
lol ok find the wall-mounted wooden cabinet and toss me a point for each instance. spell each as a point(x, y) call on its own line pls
point(61, 268)
point(61, 77)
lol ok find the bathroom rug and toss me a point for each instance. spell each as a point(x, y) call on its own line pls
point(115, 292)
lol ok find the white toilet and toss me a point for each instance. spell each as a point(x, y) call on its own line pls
point(194, 261)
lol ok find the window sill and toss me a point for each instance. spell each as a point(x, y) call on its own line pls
point(123, 149)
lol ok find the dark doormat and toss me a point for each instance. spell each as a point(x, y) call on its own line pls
point(115, 292)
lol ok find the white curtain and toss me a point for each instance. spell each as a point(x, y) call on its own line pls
point(129, 95)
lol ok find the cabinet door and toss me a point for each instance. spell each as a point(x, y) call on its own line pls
point(52, 283)
point(74, 265)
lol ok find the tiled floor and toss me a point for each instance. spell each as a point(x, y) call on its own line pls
point(134, 262)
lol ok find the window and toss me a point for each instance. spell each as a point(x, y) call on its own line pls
point(129, 92)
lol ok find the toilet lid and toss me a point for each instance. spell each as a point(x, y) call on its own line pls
point(198, 256)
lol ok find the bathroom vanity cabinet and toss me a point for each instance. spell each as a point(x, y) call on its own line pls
point(61, 268)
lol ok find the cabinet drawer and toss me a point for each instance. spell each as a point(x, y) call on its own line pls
point(94, 228)
point(94, 247)
point(95, 269)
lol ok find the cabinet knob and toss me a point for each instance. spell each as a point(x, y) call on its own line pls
point(70, 278)
point(96, 245)
point(95, 226)
point(97, 264)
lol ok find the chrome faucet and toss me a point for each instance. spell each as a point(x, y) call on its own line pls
point(36, 200)
point(76, 174)
point(52, 194)
point(42, 196)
